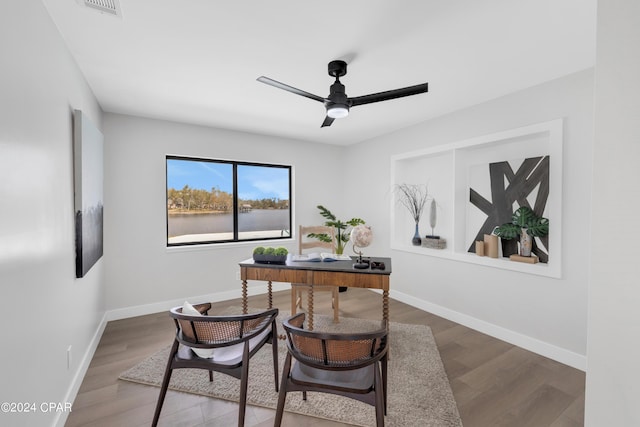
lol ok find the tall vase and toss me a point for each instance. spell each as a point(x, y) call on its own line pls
point(417, 241)
point(526, 242)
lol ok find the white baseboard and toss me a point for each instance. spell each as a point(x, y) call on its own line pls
point(72, 392)
point(542, 348)
point(157, 307)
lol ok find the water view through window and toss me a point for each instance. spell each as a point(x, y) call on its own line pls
point(212, 201)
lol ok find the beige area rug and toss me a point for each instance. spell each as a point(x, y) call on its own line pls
point(419, 391)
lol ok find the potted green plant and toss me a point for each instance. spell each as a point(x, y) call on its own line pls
point(525, 225)
point(342, 235)
point(270, 255)
point(342, 232)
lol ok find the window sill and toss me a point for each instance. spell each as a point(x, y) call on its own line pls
point(227, 245)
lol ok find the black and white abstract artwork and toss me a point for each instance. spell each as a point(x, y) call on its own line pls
point(88, 184)
point(498, 189)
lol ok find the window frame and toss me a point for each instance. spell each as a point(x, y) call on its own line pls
point(236, 205)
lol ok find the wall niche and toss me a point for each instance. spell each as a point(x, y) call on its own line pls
point(529, 161)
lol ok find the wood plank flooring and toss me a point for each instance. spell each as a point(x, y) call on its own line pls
point(494, 383)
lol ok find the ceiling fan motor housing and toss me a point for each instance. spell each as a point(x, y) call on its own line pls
point(337, 103)
point(337, 95)
point(337, 99)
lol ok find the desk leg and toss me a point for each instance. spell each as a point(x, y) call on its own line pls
point(310, 308)
point(269, 289)
point(385, 316)
point(245, 305)
point(385, 306)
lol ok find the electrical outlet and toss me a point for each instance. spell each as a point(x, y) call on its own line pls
point(237, 275)
point(69, 360)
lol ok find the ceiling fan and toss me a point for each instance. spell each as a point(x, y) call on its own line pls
point(337, 103)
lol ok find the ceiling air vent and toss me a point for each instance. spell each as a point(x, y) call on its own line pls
point(108, 6)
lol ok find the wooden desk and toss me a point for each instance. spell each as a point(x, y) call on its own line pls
point(336, 273)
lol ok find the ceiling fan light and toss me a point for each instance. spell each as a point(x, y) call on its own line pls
point(338, 111)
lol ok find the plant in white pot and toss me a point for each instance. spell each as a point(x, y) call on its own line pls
point(525, 225)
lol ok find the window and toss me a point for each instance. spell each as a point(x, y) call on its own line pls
point(213, 201)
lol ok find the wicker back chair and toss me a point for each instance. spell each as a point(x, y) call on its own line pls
point(234, 340)
point(297, 289)
point(350, 365)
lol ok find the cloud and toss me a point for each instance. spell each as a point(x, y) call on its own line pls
point(279, 188)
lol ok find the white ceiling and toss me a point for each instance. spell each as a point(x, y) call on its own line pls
point(196, 61)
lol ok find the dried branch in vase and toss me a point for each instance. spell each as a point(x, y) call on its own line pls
point(413, 197)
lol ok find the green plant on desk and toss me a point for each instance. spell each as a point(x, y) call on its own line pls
point(280, 251)
point(342, 235)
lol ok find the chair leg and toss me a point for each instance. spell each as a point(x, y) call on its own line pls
point(244, 379)
point(282, 395)
point(383, 362)
point(165, 383)
point(379, 398)
point(210, 376)
point(274, 351)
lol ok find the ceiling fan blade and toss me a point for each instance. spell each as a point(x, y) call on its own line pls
point(288, 88)
point(327, 121)
point(390, 94)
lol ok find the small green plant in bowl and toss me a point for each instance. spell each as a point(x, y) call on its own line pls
point(270, 255)
point(281, 251)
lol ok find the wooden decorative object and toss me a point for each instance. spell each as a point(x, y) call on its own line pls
point(527, 259)
point(491, 245)
point(480, 248)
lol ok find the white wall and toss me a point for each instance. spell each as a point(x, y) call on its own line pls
point(543, 314)
point(613, 389)
point(41, 85)
point(45, 308)
point(143, 275)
